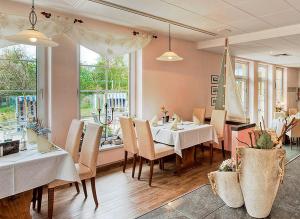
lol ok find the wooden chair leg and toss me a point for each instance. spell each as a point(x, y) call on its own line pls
point(162, 164)
point(151, 171)
point(34, 195)
point(125, 161)
point(39, 198)
point(202, 147)
point(211, 152)
point(84, 188)
point(291, 143)
point(50, 202)
point(140, 167)
point(77, 187)
point(93, 185)
point(223, 149)
point(134, 164)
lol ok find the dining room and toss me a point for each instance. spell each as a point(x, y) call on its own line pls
point(149, 109)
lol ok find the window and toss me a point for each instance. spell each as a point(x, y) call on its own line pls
point(279, 86)
point(18, 82)
point(241, 76)
point(262, 91)
point(103, 81)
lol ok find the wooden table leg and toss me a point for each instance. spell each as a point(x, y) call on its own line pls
point(16, 206)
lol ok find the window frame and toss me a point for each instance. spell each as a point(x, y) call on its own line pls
point(244, 79)
point(265, 81)
point(281, 82)
point(36, 61)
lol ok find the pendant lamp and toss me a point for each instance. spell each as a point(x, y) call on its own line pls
point(169, 56)
point(32, 36)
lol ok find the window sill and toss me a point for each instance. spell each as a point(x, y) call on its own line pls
point(109, 147)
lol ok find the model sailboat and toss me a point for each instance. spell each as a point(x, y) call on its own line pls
point(228, 97)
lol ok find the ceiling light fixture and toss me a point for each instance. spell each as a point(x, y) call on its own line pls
point(169, 56)
point(32, 36)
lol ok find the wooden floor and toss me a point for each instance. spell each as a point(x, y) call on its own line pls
point(120, 196)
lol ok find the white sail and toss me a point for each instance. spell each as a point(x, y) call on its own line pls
point(233, 101)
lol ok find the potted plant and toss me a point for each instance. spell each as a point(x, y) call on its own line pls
point(165, 114)
point(224, 182)
point(261, 169)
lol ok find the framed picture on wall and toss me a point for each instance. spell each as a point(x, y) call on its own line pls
point(213, 101)
point(214, 79)
point(214, 90)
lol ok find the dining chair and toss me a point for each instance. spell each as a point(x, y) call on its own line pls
point(292, 111)
point(199, 114)
point(72, 147)
point(295, 133)
point(218, 119)
point(73, 138)
point(86, 166)
point(129, 141)
point(148, 150)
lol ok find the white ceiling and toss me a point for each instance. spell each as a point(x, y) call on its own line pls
point(240, 16)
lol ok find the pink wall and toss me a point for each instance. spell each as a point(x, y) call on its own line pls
point(180, 86)
point(64, 84)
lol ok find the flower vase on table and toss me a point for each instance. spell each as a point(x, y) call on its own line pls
point(165, 117)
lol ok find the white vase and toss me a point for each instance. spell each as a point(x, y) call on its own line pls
point(227, 186)
point(31, 136)
point(43, 145)
point(260, 173)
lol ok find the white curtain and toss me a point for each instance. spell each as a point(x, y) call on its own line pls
point(100, 41)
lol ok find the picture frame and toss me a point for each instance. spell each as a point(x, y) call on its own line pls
point(214, 90)
point(214, 79)
point(213, 101)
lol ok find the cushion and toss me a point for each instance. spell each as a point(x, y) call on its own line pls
point(83, 171)
point(162, 150)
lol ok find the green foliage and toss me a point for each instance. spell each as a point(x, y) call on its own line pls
point(107, 74)
point(16, 72)
point(264, 141)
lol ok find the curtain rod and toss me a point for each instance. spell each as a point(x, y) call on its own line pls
point(144, 14)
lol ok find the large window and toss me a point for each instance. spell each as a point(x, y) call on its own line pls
point(103, 81)
point(241, 76)
point(262, 91)
point(279, 86)
point(18, 81)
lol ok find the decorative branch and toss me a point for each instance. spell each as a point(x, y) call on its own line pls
point(243, 142)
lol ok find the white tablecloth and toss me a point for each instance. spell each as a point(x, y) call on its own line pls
point(30, 169)
point(188, 135)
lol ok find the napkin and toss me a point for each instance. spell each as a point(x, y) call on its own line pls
point(154, 121)
point(176, 117)
point(174, 125)
point(196, 120)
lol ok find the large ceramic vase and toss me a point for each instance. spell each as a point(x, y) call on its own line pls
point(227, 186)
point(260, 173)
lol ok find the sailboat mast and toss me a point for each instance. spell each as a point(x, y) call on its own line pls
point(225, 68)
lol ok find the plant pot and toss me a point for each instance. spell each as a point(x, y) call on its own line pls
point(31, 136)
point(227, 186)
point(166, 119)
point(260, 173)
point(43, 145)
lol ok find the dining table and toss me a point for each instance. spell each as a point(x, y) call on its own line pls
point(21, 172)
point(184, 139)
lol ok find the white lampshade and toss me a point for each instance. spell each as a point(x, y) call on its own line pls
point(169, 57)
point(32, 37)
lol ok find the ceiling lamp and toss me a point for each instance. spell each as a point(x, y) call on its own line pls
point(32, 36)
point(169, 56)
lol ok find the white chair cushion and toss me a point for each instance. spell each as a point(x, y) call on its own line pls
point(162, 150)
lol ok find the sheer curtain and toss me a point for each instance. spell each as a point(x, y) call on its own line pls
point(100, 41)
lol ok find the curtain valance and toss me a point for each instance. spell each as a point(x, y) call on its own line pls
point(100, 41)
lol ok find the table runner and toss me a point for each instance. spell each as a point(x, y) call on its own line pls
point(30, 169)
point(187, 135)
